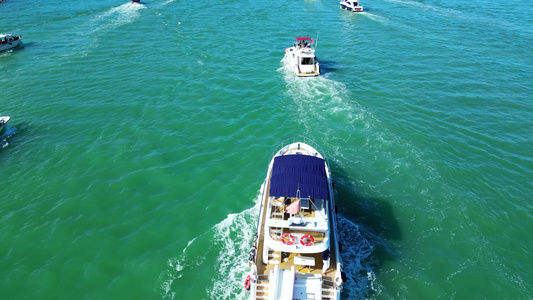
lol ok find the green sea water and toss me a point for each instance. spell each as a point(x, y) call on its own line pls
point(140, 136)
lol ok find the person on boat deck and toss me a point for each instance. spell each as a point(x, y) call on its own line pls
point(325, 262)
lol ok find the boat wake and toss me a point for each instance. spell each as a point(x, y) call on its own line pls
point(115, 17)
point(330, 112)
point(377, 18)
point(229, 244)
point(6, 53)
point(229, 247)
point(357, 248)
point(88, 34)
point(425, 6)
point(320, 98)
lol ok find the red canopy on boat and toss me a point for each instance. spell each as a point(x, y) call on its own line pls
point(303, 39)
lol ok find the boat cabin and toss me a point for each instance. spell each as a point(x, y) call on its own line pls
point(351, 5)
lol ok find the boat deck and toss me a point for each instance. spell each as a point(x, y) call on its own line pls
point(288, 261)
point(308, 263)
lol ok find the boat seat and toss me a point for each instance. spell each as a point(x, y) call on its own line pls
point(304, 261)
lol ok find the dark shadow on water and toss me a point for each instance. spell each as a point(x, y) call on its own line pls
point(374, 214)
point(8, 136)
point(328, 67)
point(374, 220)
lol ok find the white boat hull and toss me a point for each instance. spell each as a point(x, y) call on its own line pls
point(349, 7)
point(13, 43)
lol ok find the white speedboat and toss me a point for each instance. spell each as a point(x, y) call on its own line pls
point(9, 41)
point(3, 122)
point(295, 253)
point(301, 56)
point(351, 5)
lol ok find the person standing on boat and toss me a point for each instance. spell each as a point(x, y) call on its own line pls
point(325, 262)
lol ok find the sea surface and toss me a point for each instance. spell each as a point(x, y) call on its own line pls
point(140, 136)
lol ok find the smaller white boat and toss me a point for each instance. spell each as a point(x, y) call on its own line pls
point(301, 56)
point(9, 41)
point(351, 5)
point(3, 122)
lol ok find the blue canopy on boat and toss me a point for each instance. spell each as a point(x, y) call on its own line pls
point(293, 172)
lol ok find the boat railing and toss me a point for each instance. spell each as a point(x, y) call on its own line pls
point(303, 139)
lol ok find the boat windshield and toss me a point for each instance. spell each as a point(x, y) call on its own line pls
point(308, 61)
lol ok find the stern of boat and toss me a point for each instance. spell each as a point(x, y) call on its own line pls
point(308, 71)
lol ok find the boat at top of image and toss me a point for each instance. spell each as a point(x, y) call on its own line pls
point(3, 122)
point(9, 41)
point(301, 56)
point(351, 5)
point(136, 1)
point(295, 252)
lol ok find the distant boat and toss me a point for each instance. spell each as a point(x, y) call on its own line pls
point(295, 252)
point(9, 41)
point(301, 57)
point(3, 122)
point(351, 5)
point(136, 1)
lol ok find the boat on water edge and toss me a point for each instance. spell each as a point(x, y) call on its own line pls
point(301, 57)
point(9, 41)
point(351, 5)
point(295, 252)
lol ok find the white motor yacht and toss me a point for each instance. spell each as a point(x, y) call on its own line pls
point(301, 57)
point(9, 41)
point(351, 5)
point(295, 252)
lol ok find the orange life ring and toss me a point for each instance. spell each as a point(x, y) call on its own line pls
point(287, 239)
point(308, 237)
point(247, 282)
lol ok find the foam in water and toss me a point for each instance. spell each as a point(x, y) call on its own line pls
point(88, 34)
point(357, 248)
point(230, 244)
point(319, 94)
point(318, 99)
point(117, 16)
point(231, 241)
point(327, 109)
point(377, 18)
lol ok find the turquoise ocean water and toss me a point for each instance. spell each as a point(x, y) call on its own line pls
point(140, 136)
